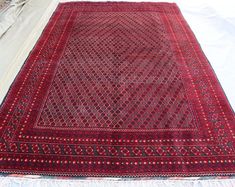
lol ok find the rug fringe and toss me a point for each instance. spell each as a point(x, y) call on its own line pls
point(102, 182)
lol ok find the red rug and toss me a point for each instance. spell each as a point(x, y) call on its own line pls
point(117, 89)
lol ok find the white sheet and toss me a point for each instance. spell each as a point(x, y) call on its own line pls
point(9, 14)
point(213, 23)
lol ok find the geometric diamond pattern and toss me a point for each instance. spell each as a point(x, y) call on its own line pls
point(111, 79)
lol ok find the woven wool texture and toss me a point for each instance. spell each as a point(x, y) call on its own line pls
point(117, 89)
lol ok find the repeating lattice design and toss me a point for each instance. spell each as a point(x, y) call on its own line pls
point(112, 76)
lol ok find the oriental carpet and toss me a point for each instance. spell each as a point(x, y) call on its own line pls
point(117, 89)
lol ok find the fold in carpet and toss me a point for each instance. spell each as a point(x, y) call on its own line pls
point(117, 89)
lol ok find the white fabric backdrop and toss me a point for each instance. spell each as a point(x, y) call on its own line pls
point(213, 23)
point(9, 14)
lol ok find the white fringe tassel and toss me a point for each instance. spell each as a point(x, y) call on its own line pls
point(29, 182)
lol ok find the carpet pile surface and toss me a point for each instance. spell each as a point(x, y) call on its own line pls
point(117, 89)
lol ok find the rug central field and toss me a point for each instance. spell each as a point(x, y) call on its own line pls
point(117, 89)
